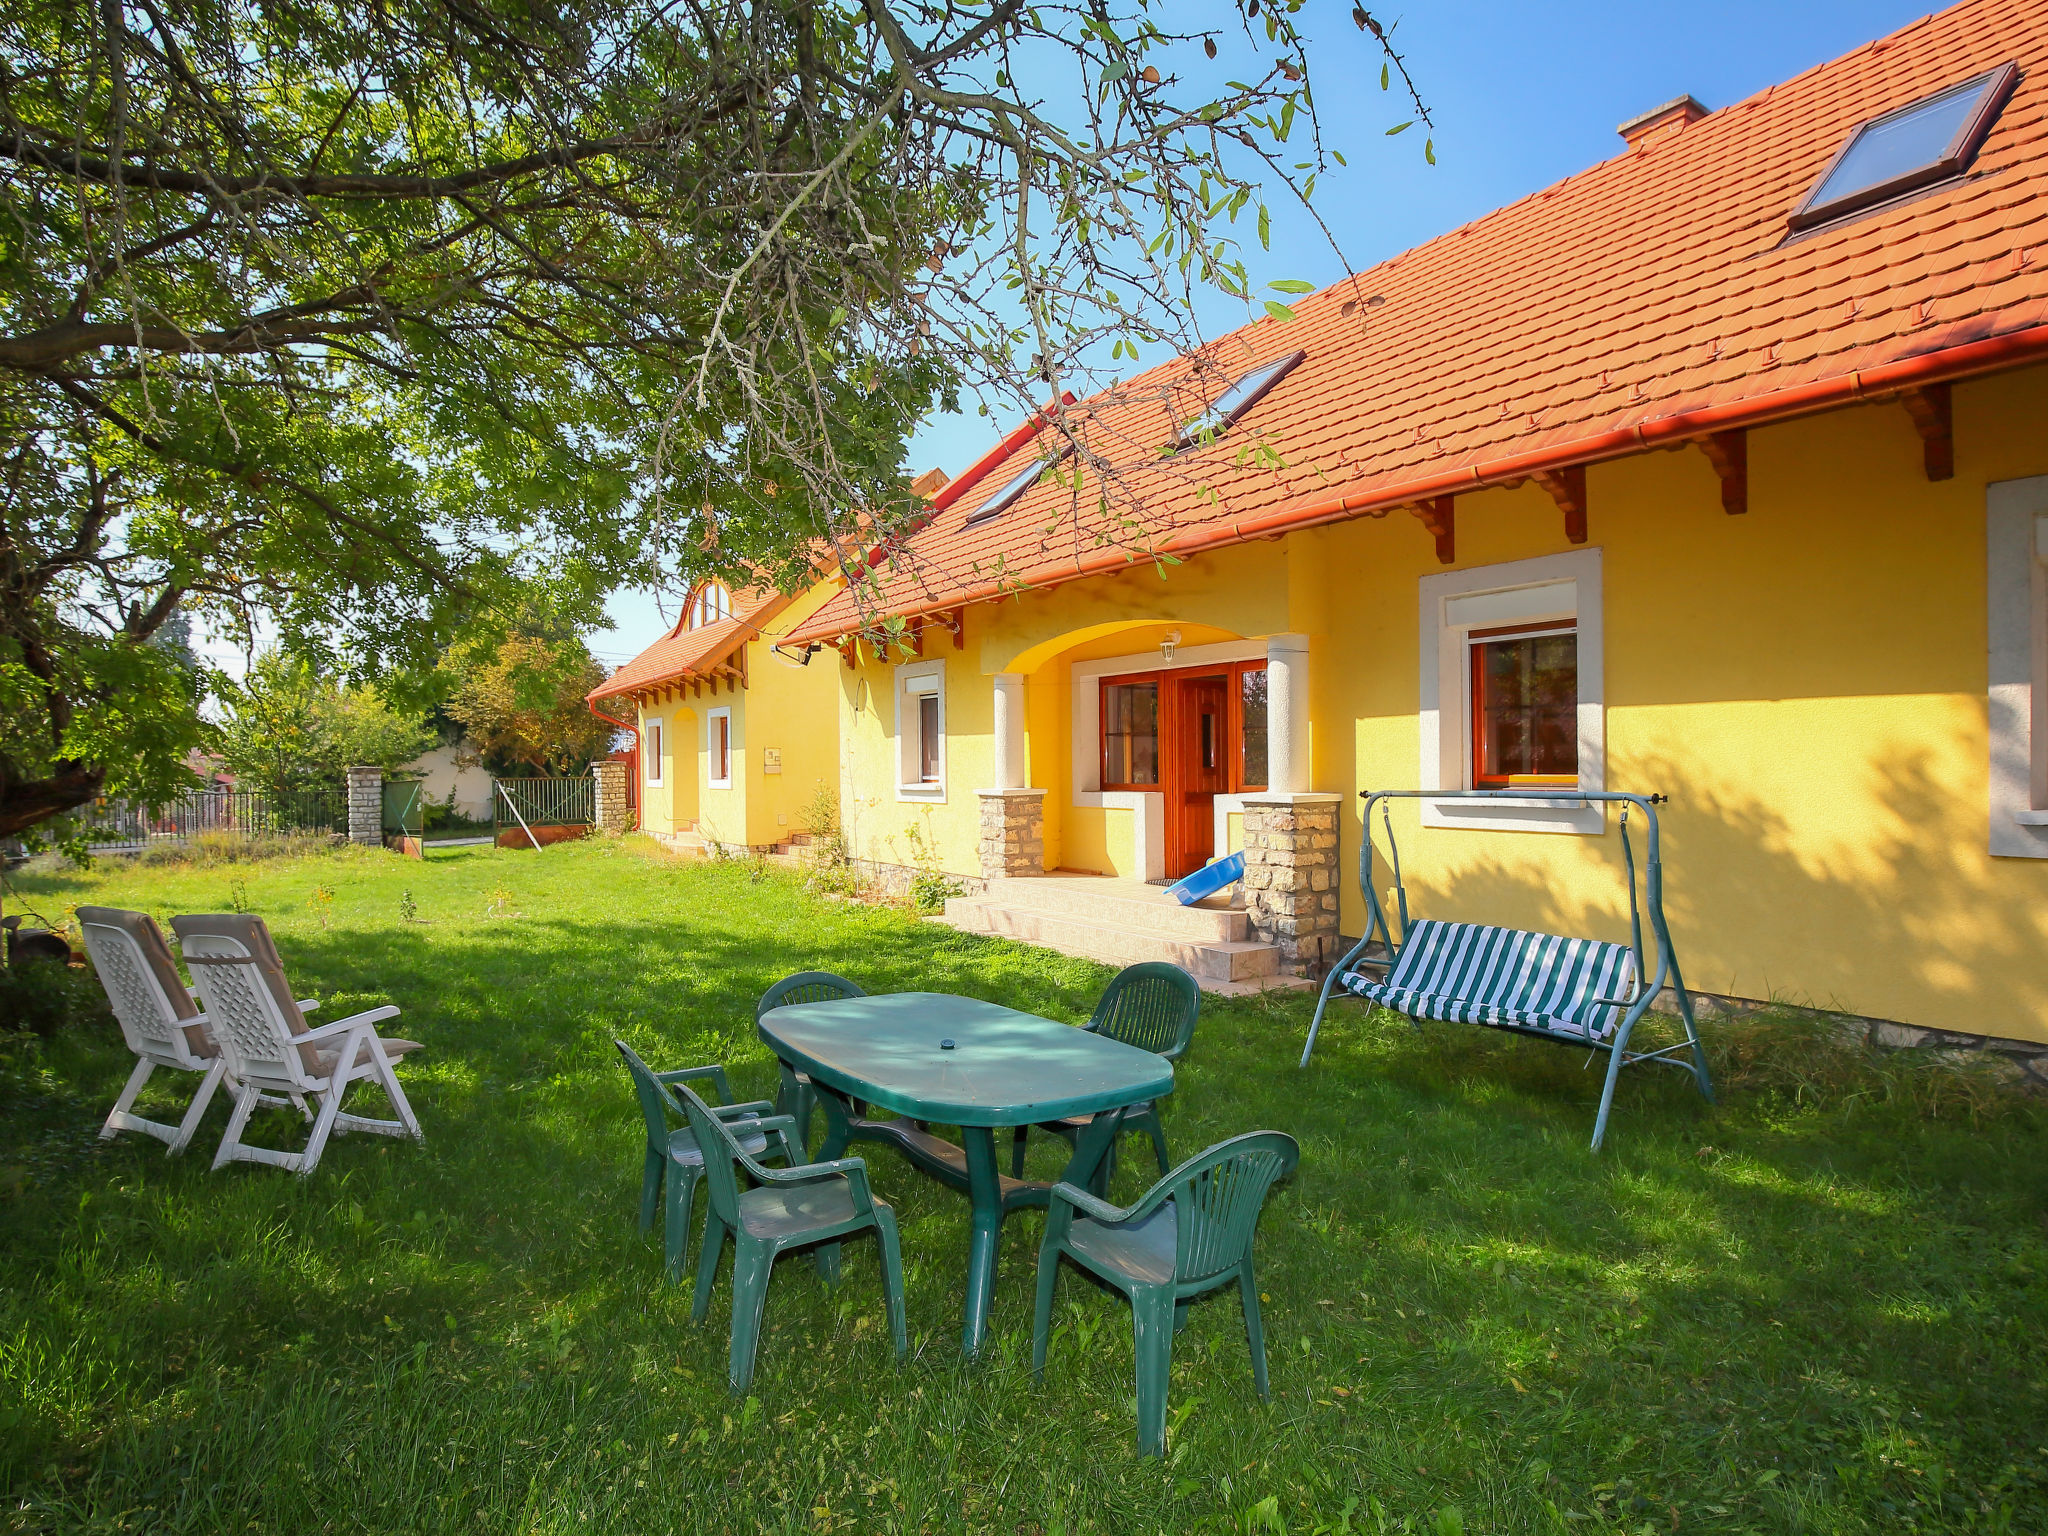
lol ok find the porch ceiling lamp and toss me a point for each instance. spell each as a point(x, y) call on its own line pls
point(1167, 644)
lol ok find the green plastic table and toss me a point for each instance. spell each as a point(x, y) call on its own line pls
point(1005, 1068)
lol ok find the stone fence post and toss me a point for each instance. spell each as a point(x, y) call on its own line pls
point(612, 813)
point(1290, 875)
point(366, 805)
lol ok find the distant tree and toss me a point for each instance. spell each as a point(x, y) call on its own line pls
point(521, 703)
point(289, 728)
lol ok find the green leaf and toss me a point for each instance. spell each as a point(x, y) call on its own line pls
point(1338, 157)
point(1265, 227)
point(1383, 77)
point(1278, 310)
point(1115, 69)
point(1400, 127)
point(1291, 285)
point(1429, 150)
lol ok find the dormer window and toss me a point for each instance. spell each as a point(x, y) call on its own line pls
point(1915, 146)
point(1015, 488)
point(1234, 402)
point(708, 604)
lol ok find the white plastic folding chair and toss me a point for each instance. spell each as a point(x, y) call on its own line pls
point(159, 1020)
point(268, 1046)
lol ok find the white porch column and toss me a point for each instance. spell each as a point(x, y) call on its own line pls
point(1288, 771)
point(1009, 730)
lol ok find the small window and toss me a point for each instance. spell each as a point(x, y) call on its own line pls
point(718, 748)
point(1929, 141)
point(1234, 402)
point(921, 731)
point(710, 604)
point(1130, 735)
point(1525, 706)
point(653, 752)
point(1013, 491)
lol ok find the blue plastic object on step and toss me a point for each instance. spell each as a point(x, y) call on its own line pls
point(1208, 880)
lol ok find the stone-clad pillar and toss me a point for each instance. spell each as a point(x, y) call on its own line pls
point(1012, 832)
point(366, 805)
point(612, 811)
point(1290, 875)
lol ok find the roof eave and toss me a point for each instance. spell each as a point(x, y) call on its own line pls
point(1989, 354)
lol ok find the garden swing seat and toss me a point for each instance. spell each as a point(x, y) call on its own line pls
point(1575, 991)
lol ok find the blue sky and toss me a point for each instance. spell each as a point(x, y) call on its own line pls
point(1523, 94)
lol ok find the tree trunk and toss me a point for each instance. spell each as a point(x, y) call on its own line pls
point(32, 801)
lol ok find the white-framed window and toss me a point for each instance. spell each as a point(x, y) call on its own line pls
point(708, 604)
point(2016, 547)
point(921, 730)
point(1513, 694)
point(650, 752)
point(718, 747)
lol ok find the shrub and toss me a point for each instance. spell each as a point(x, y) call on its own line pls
point(42, 997)
point(207, 850)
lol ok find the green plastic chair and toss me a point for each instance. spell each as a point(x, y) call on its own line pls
point(1153, 1006)
point(675, 1157)
point(796, 1097)
point(814, 1204)
point(1191, 1233)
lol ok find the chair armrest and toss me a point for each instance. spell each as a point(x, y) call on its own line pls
point(343, 1026)
point(751, 1107)
point(695, 1074)
point(853, 1169)
point(308, 1004)
point(1090, 1205)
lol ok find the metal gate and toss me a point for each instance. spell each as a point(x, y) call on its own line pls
point(528, 805)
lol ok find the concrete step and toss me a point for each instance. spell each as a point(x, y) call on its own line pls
point(1124, 903)
point(1209, 960)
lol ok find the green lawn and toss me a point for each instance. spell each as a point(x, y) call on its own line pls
point(1823, 1309)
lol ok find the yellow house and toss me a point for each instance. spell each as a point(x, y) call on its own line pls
point(1719, 470)
point(736, 733)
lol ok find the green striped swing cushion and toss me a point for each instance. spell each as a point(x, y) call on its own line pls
point(1464, 973)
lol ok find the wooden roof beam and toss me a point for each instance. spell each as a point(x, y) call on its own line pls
point(1728, 452)
point(1567, 487)
point(1439, 515)
point(1933, 411)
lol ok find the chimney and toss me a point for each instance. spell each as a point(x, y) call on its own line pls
point(1647, 128)
point(930, 483)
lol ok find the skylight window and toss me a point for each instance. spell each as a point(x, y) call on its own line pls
point(1929, 141)
point(1013, 490)
point(1234, 402)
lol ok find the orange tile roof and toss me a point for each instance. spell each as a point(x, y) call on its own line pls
point(1650, 299)
point(682, 653)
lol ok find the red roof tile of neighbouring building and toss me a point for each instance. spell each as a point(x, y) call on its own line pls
point(683, 654)
point(1655, 297)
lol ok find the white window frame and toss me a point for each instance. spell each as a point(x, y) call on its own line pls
point(712, 720)
point(1486, 597)
point(912, 681)
point(652, 735)
point(2016, 549)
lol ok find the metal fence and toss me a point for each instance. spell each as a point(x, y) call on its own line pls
point(115, 825)
point(545, 802)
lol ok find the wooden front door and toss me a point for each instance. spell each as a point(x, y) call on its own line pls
point(1196, 767)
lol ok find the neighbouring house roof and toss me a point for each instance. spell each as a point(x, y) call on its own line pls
point(684, 655)
point(1657, 297)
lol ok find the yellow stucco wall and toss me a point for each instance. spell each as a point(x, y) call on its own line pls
point(785, 708)
point(1806, 681)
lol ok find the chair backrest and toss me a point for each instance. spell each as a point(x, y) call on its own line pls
point(1153, 1006)
point(249, 1003)
point(722, 1154)
point(806, 987)
point(141, 979)
point(656, 1101)
point(1217, 1197)
point(1541, 973)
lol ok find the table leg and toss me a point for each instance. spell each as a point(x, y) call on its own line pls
point(1091, 1148)
point(985, 1195)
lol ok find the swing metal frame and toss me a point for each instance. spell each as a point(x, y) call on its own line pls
point(1636, 1004)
